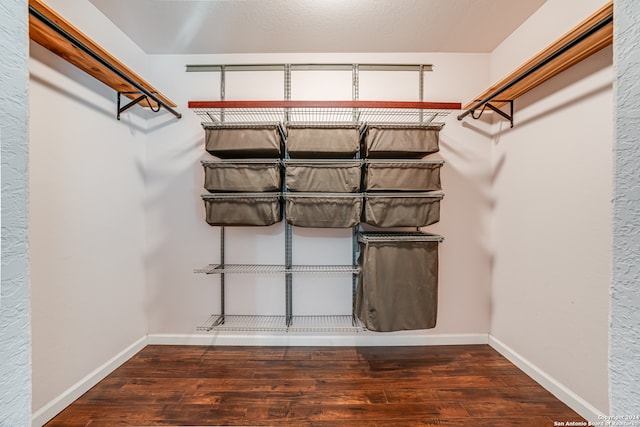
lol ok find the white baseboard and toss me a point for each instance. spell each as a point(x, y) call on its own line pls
point(361, 339)
point(51, 409)
point(564, 394)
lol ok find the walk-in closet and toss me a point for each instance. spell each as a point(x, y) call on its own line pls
point(319, 212)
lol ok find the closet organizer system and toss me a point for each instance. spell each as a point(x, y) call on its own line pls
point(330, 164)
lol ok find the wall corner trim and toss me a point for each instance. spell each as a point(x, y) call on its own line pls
point(567, 396)
point(51, 409)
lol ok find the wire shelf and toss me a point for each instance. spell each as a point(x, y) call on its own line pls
point(435, 195)
point(257, 323)
point(277, 269)
point(413, 162)
point(241, 268)
point(324, 269)
point(237, 323)
point(345, 323)
point(407, 237)
point(318, 113)
point(242, 195)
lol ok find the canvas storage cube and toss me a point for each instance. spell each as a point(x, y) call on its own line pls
point(398, 141)
point(242, 175)
point(229, 141)
point(334, 141)
point(331, 176)
point(402, 175)
point(402, 209)
point(323, 210)
point(243, 209)
point(398, 281)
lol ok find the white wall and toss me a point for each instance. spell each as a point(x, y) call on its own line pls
point(15, 339)
point(625, 293)
point(180, 240)
point(552, 214)
point(87, 228)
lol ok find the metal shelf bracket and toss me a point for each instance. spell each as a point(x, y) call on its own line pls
point(137, 100)
point(507, 116)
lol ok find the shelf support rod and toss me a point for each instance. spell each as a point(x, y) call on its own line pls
point(570, 44)
point(37, 14)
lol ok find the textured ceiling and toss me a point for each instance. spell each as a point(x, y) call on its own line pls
point(310, 26)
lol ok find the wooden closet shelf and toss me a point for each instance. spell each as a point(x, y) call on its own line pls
point(52, 31)
point(591, 35)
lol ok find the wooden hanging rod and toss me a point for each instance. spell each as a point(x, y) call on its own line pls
point(591, 35)
point(50, 30)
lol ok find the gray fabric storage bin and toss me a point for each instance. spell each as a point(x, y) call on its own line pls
point(323, 210)
point(402, 209)
point(398, 281)
point(332, 176)
point(402, 175)
point(397, 141)
point(317, 141)
point(242, 175)
point(232, 141)
point(243, 209)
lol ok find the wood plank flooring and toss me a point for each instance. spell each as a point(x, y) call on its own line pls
point(317, 386)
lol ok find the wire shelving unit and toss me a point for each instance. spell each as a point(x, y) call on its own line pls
point(324, 114)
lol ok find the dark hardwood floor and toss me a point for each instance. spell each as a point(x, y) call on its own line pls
point(317, 386)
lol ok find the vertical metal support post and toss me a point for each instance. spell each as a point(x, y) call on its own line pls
point(287, 110)
point(355, 94)
point(355, 89)
point(222, 309)
point(421, 83)
point(288, 264)
point(288, 238)
point(222, 89)
point(354, 280)
point(421, 90)
point(222, 229)
point(287, 90)
point(287, 82)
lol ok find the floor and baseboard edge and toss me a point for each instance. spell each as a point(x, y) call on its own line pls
point(564, 394)
point(51, 409)
point(571, 399)
point(288, 339)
